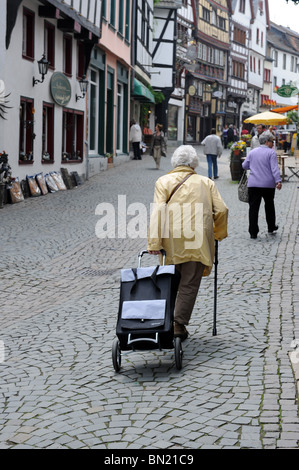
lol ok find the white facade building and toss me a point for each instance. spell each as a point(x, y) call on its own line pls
point(45, 127)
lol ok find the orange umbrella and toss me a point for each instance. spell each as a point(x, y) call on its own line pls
point(285, 109)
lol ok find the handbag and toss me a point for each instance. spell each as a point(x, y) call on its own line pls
point(243, 189)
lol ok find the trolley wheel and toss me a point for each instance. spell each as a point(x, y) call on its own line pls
point(178, 353)
point(116, 354)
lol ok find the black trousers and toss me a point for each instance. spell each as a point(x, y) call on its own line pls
point(136, 150)
point(255, 197)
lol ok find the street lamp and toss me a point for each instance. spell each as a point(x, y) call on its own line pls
point(83, 87)
point(43, 66)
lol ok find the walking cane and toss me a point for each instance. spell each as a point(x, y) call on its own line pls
point(215, 288)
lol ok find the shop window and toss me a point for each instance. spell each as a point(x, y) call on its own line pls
point(48, 133)
point(28, 34)
point(50, 43)
point(26, 133)
point(67, 54)
point(72, 135)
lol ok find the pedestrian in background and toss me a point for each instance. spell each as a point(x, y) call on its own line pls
point(136, 138)
point(264, 177)
point(230, 134)
point(213, 149)
point(158, 145)
point(224, 136)
point(255, 142)
point(191, 252)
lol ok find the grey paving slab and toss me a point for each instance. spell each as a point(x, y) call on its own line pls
point(60, 291)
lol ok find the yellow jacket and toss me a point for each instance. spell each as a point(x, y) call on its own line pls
point(186, 227)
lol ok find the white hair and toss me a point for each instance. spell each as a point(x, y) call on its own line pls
point(185, 155)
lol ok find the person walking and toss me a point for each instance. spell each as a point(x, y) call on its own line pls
point(135, 138)
point(224, 136)
point(255, 142)
point(196, 215)
point(230, 134)
point(158, 145)
point(263, 179)
point(212, 150)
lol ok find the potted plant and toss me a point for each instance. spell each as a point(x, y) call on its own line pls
point(247, 139)
point(109, 156)
point(237, 151)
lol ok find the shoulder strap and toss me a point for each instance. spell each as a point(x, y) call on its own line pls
point(178, 185)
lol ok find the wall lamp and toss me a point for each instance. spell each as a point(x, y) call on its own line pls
point(43, 66)
point(295, 1)
point(83, 87)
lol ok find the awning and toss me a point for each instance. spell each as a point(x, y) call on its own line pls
point(142, 93)
point(285, 109)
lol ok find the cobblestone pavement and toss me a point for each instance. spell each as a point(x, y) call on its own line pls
point(59, 301)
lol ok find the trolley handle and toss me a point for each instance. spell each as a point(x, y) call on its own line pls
point(163, 253)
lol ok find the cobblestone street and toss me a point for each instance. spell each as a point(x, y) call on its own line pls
point(59, 302)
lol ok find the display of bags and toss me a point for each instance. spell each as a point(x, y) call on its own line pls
point(242, 188)
point(58, 180)
point(41, 182)
point(33, 186)
point(52, 186)
point(15, 191)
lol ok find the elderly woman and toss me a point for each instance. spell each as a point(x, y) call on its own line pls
point(188, 215)
point(263, 179)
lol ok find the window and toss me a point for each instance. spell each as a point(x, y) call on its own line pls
point(242, 6)
point(28, 34)
point(72, 135)
point(81, 60)
point(67, 54)
point(128, 19)
point(259, 67)
point(49, 47)
point(221, 23)
point(274, 82)
point(284, 62)
point(48, 133)
point(275, 58)
point(206, 14)
point(262, 39)
point(267, 75)
point(214, 17)
point(239, 36)
point(93, 112)
point(112, 12)
point(121, 17)
point(292, 64)
point(264, 98)
point(238, 70)
point(26, 132)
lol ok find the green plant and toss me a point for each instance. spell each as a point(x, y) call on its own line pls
point(158, 95)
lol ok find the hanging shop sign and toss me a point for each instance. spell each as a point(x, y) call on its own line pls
point(60, 88)
point(287, 91)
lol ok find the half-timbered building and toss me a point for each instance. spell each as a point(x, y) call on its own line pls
point(206, 82)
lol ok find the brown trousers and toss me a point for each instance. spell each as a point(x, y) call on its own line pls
point(191, 274)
